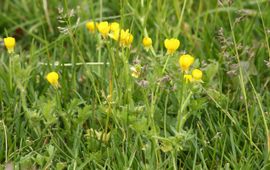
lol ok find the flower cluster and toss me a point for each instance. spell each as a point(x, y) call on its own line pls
point(171, 44)
point(185, 61)
point(112, 30)
point(125, 38)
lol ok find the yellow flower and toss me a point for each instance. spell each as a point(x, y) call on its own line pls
point(188, 78)
point(91, 26)
point(10, 44)
point(197, 74)
point(114, 26)
point(147, 42)
point(171, 45)
point(125, 38)
point(52, 78)
point(136, 71)
point(115, 35)
point(185, 61)
point(129, 39)
point(104, 28)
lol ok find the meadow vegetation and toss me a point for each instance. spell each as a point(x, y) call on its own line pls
point(134, 84)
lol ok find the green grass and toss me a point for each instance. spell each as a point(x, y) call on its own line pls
point(155, 121)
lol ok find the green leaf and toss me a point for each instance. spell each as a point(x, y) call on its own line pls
point(211, 71)
point(60, 165)
point(84, 114)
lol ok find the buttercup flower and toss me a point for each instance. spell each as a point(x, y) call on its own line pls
point(147, 42)
point(185, 61)
point(197, 74)
point(188, 78)
point(91, 26)
point(125, 38)
point(129, 39)
point(171, 45)
point(10, 44)
point(114, 26)
point(52, 78)
point(104, 28)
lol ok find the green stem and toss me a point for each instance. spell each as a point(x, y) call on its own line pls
point(165, 65)
point(154, 94)
point(182, 117)
point(179, 114)
point(165, 116)
point(58, 100)
point(241, 79)
point(6, 140)
point(10, 72)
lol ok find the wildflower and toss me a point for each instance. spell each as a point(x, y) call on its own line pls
point(114, 26)
point(185, 61)
point(188, 78)
point(99, 135)
point(147, 42)
point(104, 28)
point(10, 44)
point(171, 45)
point(124, 37)
point(129, 39)
point(197, 74)
point(136, 71)
point(52, 78)
point(91, 26)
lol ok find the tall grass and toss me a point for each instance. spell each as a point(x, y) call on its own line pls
point(102, 117)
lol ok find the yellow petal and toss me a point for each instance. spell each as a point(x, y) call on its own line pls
point(197, 74)
point(90, 26)
point(185, 61)
point(171, 45)
point(147, 42)
point(188, 78)
point(10, 44)
point(104, 28)
point(52, 78)
point(114, 26)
